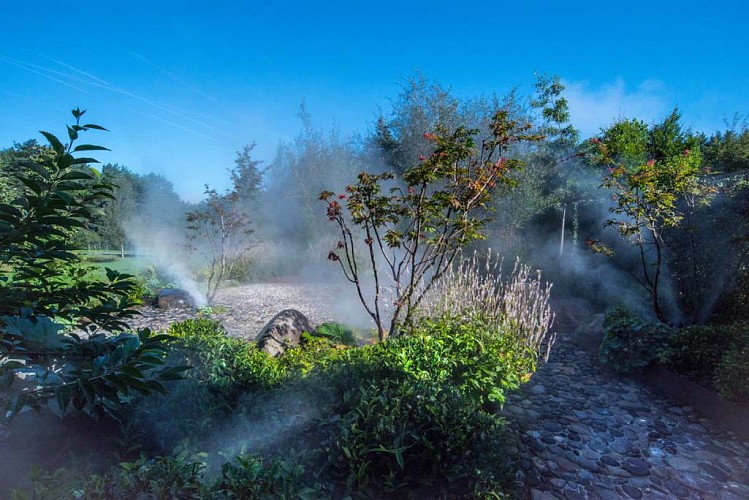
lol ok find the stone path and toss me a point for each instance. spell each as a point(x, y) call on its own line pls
point(581, 433)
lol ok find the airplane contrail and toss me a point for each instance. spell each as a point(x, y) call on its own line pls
point(44, 73)
point(177, 125)
point(84, 79)
point(173, 76)
point(164, 107)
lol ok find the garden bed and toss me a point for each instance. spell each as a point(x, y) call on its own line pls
point(705, 402)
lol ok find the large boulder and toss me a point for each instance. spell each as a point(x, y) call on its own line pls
point(589, 334)
point(283, 331)
point(175, 298)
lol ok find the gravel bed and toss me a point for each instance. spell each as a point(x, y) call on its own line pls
point(245, 309)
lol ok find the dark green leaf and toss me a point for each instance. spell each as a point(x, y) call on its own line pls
point(54, 142)
point(83, 161)
point(94, 127)
point(89, 147)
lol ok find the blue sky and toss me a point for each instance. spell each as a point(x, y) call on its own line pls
point(183, 85)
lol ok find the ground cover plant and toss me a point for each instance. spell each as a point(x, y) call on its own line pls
point(414, 413)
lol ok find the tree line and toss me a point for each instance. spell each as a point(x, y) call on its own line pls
point(551, 212)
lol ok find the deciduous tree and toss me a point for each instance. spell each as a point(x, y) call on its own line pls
point(410, 232)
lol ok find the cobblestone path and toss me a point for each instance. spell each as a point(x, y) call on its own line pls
point(581, 433)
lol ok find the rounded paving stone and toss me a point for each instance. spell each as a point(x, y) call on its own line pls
point(558, 483)
point(574, 494)
point(682, 464)
point(552, 426)
point(632, 492)
point(608, 460)
point(541, 495)
point(597, 436)
point(636, 471)
point(676, 489)
point(715, 472)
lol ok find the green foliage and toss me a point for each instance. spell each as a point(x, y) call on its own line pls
point(414, 414)
point(37, 265)
point(45, 289)
point(421, 105)
point(698, 349)
point(160, 477)
point(415, 231)
point(728, 151)
point(13, 162)
point(732, 375)
point(418, 410)
point(96, 375)
point(714, 355)
point(555, 112)
point(337, 333)
point(179, 477)
point(248, 476)
point(646, 193)
point(630, 344)
point(229, 363)
point(223, 369)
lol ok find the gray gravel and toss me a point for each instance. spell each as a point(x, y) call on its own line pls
point(244, 310)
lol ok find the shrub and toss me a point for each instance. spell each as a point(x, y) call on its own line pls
point(697, 350)
point(230, 364)
point(223, 369)
point(159, 477)
point(418, 410)
point(629, 344)
point(732, 376)
point(248, 476)
point(410, 416)
point(44, 290)
point(714, 355)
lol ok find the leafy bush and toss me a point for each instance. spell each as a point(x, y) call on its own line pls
point(159, 477)
point(629, 343)
point(732, 376)
point(150, 283)
point(413, 414)
point(229, 364)
point(418, 410)
point(247, 476)
point(697, 350)
point(223, 368)
point(44, 289)
point(715, 355)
